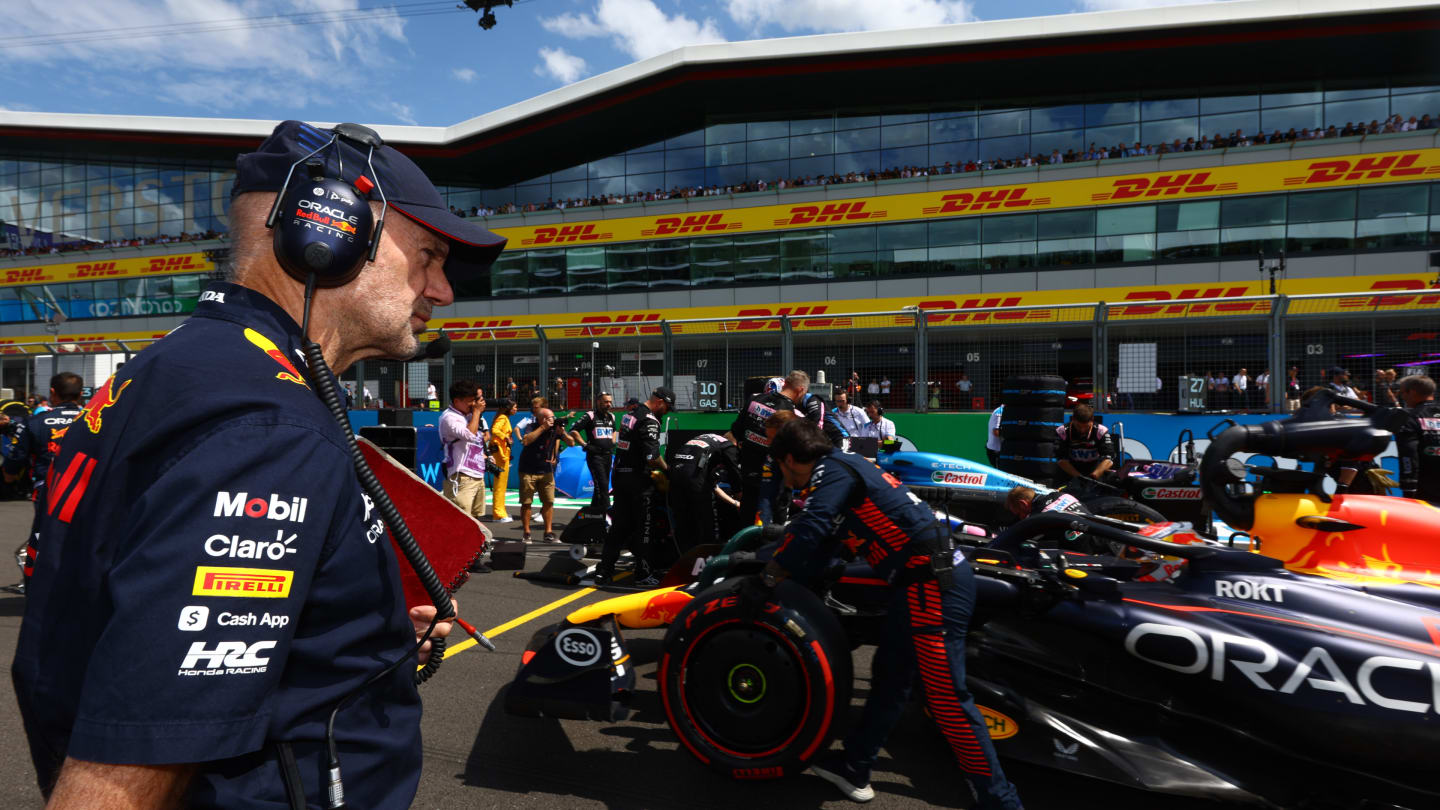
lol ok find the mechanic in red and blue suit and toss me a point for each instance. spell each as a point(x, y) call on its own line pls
point(850, 502)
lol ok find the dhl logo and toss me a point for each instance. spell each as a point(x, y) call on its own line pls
point(174, 264)
point(1164, 185)
point(1189, 294)
point(88, 343)
point(94, 412)
point(831, 212)
point(485, 329)
point(987, 200)
point(1372, 301)
point(674, 226)
point(97, 269)
point(565, 233)
point(263, 583)
point(977, 317)
point(615, 331)
point(25, 274)
point(1368, 168)
point(792, 312)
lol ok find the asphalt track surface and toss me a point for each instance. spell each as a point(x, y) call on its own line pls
point(478, 756)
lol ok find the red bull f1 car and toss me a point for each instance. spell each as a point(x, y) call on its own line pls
point(1302, 673)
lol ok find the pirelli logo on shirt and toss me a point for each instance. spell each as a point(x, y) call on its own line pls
point(257, 583)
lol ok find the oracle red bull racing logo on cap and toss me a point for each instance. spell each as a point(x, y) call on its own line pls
point(268, 346)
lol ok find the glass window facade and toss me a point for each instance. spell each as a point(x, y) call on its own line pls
point(123, 298)
point(731, 154)
point(1385, 218)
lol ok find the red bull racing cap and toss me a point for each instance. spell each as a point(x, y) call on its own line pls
point(408, 191)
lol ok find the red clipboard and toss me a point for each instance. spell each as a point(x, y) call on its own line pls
point(451, 539)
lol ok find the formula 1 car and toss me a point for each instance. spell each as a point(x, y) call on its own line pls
point(1304, 675)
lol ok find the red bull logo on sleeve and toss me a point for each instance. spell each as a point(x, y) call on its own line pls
point(104, 398)
point(290, 374)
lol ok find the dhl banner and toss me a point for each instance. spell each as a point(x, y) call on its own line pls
point(1254, 178)
point(1389, 293)
point(107, 269)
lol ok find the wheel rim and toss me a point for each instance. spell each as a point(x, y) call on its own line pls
point(745, 688)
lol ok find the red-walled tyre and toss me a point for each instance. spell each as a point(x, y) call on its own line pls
point(754, 680)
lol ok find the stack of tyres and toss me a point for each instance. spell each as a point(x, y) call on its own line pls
point(1034, 408)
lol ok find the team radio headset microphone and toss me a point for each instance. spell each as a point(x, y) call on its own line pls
point(324, 233)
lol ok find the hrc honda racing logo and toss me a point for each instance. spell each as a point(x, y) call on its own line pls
point(227, 658)
point(277, 507)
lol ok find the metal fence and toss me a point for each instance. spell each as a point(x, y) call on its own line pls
point(1145, 355)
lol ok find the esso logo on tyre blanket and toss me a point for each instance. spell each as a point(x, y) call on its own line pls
point(578, 647)
point(967, 479)
point(1171, 493)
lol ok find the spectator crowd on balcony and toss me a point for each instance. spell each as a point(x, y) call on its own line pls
point(1236, 139)
point(80, 245)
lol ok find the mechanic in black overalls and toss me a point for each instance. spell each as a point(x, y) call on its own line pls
point(748, 433)
point(1418, 443)
point(212, 583)
point(850, 502)
point(37, 441)
point(1085, 448)
point(595, 431)
point(694, 488)
point(637, 454)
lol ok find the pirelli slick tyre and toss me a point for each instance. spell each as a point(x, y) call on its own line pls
point(1030, 423)
point(1113, 506)
point(1040, 391)
point(754, 680)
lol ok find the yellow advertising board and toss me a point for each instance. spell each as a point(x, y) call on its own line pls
point(107, 269)
point(1386, 293)
point(1254, 178)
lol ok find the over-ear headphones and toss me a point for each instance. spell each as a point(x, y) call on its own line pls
point(879, 409)
point(323, 226)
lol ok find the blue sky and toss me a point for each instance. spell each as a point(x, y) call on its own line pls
point(397, 62)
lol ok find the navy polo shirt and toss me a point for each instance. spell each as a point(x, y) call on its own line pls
point(213, 579)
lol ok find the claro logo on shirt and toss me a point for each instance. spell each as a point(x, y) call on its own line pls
point(258, 583)
point(275, 508)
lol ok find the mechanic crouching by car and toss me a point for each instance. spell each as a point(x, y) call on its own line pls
point(1085, 448)
point(849, 501)
point(637, 454)
point(695, 486)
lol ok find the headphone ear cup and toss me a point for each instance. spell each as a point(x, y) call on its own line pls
point(323, 229)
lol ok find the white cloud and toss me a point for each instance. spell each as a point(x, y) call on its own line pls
point(637, 27)
point(401, 112)
point(217, 61)
point(1114, 5)
point(828, 16)
point(464, 74)
point(560, 65)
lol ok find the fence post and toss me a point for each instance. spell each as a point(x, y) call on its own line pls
point(922, 364)
point(360, 384)
point(668, 355)
point(1276, 354)
point(543, 377)
point(1100, 356)
point(787, 346)
point(447, 374)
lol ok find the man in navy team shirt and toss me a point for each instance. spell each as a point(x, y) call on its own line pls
point(212, 583)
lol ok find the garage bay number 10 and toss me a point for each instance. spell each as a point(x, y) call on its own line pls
point(709, 395)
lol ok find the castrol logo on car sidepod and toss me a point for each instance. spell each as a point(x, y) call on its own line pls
point(1171, 493)
point(967, 479)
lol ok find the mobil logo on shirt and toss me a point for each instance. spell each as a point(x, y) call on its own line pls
point(273, 507)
